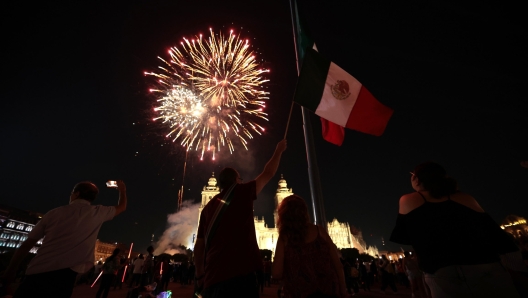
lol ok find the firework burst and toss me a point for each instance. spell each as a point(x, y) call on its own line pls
point(211, 93)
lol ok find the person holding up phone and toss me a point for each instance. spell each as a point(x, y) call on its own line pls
point(69, 234)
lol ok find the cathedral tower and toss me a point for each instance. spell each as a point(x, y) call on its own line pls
point(282, 192)
point(208, 193)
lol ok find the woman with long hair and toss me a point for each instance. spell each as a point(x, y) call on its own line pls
point(306, 259)
point(457, 244)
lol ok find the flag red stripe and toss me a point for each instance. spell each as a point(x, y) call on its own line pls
point(333, 133)
point(369, 115)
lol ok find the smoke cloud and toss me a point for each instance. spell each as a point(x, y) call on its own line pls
point(180, 228)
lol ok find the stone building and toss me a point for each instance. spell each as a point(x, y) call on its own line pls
point(15, 225)
point(104, 249)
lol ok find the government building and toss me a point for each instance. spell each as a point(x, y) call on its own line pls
point(15, 225)
point(267, 237)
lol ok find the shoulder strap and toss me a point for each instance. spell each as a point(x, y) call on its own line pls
point(213, 225)
point(423, 197)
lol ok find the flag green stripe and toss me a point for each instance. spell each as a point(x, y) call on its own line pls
point(304, 42)
point(312, 79)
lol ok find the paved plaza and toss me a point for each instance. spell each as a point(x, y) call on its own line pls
point(85, 291)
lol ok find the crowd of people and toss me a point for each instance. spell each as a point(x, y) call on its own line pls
point(228, 262)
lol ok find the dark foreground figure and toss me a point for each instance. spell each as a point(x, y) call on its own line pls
point(437, 215)
point(226, 252)
point(70, 233)
point(306, 259)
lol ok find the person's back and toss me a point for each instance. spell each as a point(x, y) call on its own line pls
point(138, 265)
point(69, 234)
point(434, 226)
point(309, 269)
point(438, 214)
point(243, 245)
point(373, 267)
point(226, 251)
point(305, 257)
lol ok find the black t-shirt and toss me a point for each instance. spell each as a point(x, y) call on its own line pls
point(448, 233)
point(233, 250)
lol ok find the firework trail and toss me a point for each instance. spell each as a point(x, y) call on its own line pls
point(211, 93)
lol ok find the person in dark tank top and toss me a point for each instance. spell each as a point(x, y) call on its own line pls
point(457, 244)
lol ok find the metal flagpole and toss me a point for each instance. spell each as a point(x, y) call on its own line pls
point(313, 170)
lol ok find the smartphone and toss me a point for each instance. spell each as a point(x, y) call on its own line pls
point(111, 183)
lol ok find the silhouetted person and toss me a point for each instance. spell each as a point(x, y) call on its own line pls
point(148, 267)
point(233, 256)
point(136, 272)
point(437, 215)
point(110, 268)
point(306, 259)
point(68, 247)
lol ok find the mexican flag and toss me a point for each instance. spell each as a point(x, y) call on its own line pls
point(335, 95)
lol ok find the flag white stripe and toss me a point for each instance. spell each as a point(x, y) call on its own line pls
point(331, 108)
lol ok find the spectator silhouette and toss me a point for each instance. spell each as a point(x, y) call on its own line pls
point(225, 274)
point(70, 233)
point(437, 215)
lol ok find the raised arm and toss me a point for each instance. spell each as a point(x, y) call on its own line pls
point(122, 204)
point(271, 166)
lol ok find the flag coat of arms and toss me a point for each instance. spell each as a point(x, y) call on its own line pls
point(335, 95)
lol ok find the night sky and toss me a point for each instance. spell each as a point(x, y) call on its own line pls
point(75, 105)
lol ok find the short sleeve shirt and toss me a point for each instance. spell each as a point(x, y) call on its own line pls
point(69, 234)
point(233, 250)
point(137, 265)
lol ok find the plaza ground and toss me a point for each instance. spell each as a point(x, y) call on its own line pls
point(186, 291)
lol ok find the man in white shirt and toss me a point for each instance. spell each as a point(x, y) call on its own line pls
point(69, 234)
point(138, 267)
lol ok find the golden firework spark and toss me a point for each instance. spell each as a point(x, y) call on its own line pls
point(212, 93)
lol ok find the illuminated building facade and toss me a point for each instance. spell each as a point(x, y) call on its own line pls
point(267, 237)
point(345, 237)
point(15, 225)
point(393, 255)
point(516, 226)
point(105, 249)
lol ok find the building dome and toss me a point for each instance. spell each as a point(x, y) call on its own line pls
point(282, 183)
point(212, 181)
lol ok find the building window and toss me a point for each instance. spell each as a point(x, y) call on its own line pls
point(40, 241)
point(34, 250)
point(11, 225)
point(2, 243)
point(20, 227)
point(29, 228)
